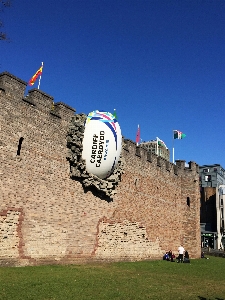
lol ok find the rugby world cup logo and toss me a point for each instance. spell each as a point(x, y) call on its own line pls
point(102, 143)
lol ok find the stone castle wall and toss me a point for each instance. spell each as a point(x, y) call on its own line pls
point(47, 217)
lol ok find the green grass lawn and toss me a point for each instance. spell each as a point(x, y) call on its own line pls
point(201, 279)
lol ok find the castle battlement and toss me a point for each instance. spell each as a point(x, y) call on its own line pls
point(157, 161)
point(12, 85)
point(39, 100)
point(15, 88)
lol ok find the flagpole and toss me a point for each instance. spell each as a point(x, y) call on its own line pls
point(173, 146)
point(138, 136)
point(39, 83)
point(157, 146)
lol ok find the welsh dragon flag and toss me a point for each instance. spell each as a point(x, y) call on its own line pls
point(178, 135)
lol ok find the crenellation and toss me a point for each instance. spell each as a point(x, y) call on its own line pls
point(65, 111)
point(55, 114)
point(182, 168)
point(125, 145)
point(178, 169)
point(193, 166)
point(149, 156)
point(162, 163)
point(143, 153)
point(175, 169)
point(29, 100)
point(12, 85)
point(169, 166)
point(15, 88)
point(130, 146)
point(41, 100)
point(138, 151)
point(159, 161)
point(180, 164)
point(154, 159)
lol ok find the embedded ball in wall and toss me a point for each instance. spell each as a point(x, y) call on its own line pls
point(102, 143)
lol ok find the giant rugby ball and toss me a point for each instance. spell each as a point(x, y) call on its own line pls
point(102, 143)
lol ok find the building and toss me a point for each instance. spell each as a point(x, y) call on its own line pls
point(157, 147)
point(212, 187)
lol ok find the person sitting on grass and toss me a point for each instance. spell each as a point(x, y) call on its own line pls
point(171, 256)
point(186, 257)
point(166, 256)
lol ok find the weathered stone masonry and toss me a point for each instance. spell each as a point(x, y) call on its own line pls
point(48, 217)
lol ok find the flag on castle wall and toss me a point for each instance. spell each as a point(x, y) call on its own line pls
point(138, 135)
point(36, 75)
point(178, 135)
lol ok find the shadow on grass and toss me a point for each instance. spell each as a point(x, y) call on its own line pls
point(203, 298)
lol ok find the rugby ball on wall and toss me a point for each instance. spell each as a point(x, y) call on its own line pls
point(102, 143)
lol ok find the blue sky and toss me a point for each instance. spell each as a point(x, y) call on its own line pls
point(161, 64)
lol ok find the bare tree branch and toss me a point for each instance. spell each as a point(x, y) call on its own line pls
point(4, 4)
point(3, 36)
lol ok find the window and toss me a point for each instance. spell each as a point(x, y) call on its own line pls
point(188, 201)
point(208, 178)
point(221, 202)
point(19, 146)
point(205, 170)
point(215, 169)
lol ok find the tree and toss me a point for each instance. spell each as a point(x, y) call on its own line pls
point(3, 4)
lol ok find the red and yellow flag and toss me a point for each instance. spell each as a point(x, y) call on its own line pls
point(138, 135)
point(36, 75)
